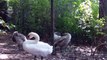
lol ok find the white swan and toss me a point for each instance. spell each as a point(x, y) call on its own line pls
point(36, 47)
point(18, 38)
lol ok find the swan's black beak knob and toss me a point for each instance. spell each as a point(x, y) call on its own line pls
point(30, 37)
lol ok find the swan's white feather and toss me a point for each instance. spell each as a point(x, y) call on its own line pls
point(39, 49)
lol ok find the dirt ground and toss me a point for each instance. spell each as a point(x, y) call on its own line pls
point(9, 51)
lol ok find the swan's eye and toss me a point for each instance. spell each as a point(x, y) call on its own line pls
point(33, 38)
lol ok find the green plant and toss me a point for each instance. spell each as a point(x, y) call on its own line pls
point(79, 17)
point(31, 15)
point(88, 19)
point(75, 16)
point(64, 13)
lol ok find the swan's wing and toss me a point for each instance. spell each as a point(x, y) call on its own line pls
point(65, 40)
point(22, 37)
point(18, 38)
point(44, 46)
point(40, 48)
point(59, 40)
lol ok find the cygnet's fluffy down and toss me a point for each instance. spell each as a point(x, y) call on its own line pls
point(57, 36)
point(36, 47)
point(18, 38)
point(63, 40)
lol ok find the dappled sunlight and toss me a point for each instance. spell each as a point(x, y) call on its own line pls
point(3, 56)
point(9, 52)
point(86, 50)
point(6, 49)
point(3, 44)
point(80, 18)
point(13, 56)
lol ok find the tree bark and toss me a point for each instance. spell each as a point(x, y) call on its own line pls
point(52, 21)
point(102, 8)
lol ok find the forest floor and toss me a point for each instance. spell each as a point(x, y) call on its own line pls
point(9, 51)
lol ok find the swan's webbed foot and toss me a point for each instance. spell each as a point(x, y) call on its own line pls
point(35, 58)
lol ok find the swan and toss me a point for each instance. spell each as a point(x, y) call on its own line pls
point(57, 35)
point(63, 41)
point(18, 38)
point(36, 47)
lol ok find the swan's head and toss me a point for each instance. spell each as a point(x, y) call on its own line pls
point(33, 35)
point(15, 32)
point(57, 33)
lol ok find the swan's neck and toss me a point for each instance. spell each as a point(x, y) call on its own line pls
point(37, 38)
point(25, 38)
point(68, 35)
point(34, 41)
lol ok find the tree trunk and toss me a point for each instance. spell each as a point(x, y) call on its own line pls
point(102, 8)
point(103, 12)
point(52, 22)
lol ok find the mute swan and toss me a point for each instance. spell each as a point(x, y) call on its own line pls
point(18, 38)
point(36, 47)
point(63, 41)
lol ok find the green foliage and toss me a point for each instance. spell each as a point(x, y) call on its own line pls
point(31, 15)
point(77, 16)
point(65, 20)
point(39, 15)
point(88, 18)
point(5, 13)
point(3, 25)
point(80, 17)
